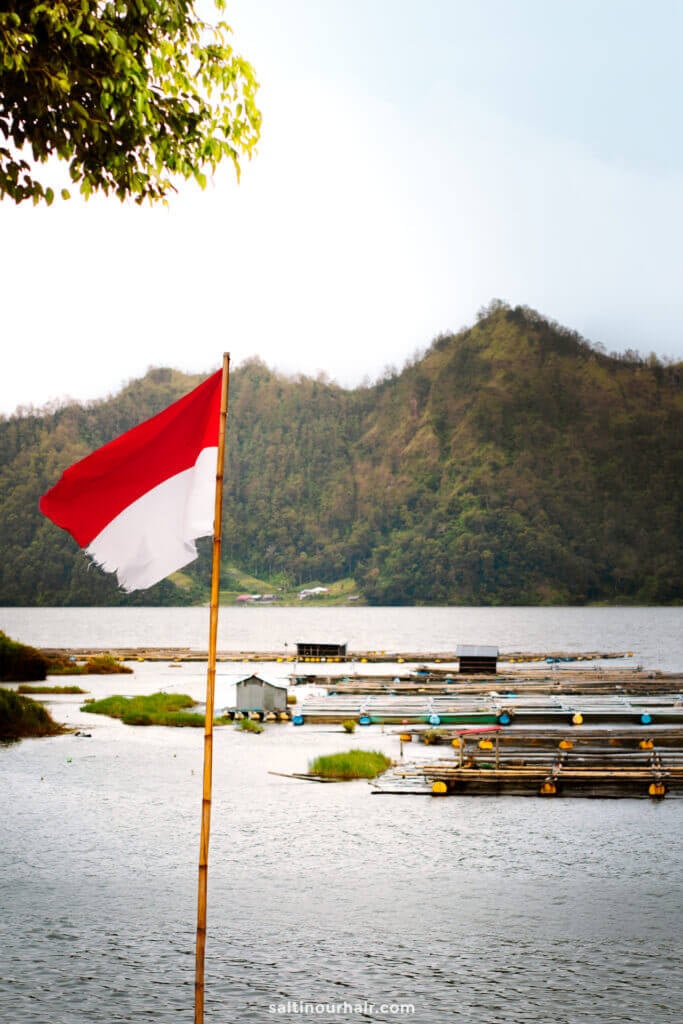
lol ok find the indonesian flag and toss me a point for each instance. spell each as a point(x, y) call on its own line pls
point(138, 504)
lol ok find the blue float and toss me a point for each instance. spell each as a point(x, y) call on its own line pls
point(645, 718)
point(364, 720)
point(298, 720)
point(504, 718)
point(434, 720)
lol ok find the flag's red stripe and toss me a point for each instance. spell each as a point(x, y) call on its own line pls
point(95, 490)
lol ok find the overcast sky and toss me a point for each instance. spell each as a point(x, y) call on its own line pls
point(417, 160)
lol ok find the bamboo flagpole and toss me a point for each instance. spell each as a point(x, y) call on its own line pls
point(210, 693)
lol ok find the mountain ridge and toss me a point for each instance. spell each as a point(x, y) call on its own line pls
point(512, 463)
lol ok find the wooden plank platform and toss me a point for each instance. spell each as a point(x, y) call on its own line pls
point(548, 780)
point(439, 710)
point(170, 653)
point(565, 681)
point(608, 762)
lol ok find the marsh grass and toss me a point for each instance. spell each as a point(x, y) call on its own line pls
point(435, 736)
point(26, 688)
point(354, 764)
point(20, 717)
point(247, 725)
point(154, 709)
point(98, 664)
point(19, 663)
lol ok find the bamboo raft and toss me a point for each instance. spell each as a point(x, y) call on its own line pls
point(607, 681)
point(488, 710)
point(588, 768)
point(538, 780)
point(526, 740)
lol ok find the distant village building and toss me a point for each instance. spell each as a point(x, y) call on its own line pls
point(477, 660)
point(312, 592)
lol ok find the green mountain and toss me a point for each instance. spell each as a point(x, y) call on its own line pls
point(514, 463)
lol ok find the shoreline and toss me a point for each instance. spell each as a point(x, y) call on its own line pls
point(168, 653)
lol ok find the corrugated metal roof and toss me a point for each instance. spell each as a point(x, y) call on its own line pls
point(261, 679)
point(474, 651)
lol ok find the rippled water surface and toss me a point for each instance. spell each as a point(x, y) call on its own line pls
point(472, 910)
point(654, 635)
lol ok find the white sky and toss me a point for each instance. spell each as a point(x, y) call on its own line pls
point(417, 160)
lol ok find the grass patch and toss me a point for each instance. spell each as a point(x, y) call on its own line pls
point(21, 717)
point(435, 736)
point(19, 663)
point(26, 688)
point(248, 725)
point(154, 709)
point(98, 664)
point(354, 764)
point(106, 665)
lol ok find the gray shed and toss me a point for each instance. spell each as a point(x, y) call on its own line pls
point(255, 694)
point(478, 660)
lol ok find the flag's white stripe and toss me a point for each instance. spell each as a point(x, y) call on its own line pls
point(155, 535)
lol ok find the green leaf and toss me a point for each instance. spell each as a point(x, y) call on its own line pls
point(148, 91)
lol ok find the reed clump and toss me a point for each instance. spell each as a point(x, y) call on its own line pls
point(98, 664)
point(247, 725)
point(21, 717)
point(354, 764)
point(27, 688)
point(434, 736)
point(19, 663)
point(153, 709)
point(106, 665)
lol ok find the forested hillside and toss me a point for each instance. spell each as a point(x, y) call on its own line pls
point(514, 463)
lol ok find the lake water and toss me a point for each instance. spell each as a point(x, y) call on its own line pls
point(476, 911)
point(654, 635)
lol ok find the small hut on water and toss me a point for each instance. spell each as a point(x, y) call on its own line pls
point(315, 651)
point(256, 694)
point(477, 660)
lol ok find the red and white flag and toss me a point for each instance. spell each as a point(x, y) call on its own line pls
point(138, 504)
